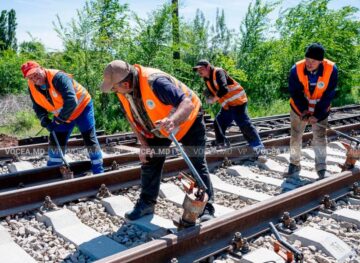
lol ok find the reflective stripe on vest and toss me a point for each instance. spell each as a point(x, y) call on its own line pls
point(155, 109)
point(232, 97)
point(236, 96)
point(82, 96)
point(321, 85)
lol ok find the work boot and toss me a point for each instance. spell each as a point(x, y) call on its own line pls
point(141, 208)
point(208, 213)
point(323, 174)
point(293, 169)
point(261, 157)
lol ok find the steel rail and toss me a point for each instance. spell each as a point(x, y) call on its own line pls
point(129, 137)
point(44, 174)
point(194, 243)
point(67, 190)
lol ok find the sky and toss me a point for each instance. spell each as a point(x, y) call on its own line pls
point(37, 16)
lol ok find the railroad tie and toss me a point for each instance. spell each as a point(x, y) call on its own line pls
point(93, 244)
point(119, 205)
point(10, 252)
point(242, 192)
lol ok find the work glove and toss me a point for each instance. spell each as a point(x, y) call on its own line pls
point(45, 121)
point(305, 115)
point(51, 126)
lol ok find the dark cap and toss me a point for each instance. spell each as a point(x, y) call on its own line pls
point(201, 63)
point(315, 51)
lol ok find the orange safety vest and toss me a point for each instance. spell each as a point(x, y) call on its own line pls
point(155, 109)
point(82, 95)
point(235, 96)
point(321, 85)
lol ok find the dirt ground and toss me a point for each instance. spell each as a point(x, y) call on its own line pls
point(7, 141)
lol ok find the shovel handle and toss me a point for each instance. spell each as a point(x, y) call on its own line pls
point(188, 162)
point(339, 133)
point(59, 149)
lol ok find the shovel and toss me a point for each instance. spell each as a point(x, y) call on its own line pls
point(65, 170)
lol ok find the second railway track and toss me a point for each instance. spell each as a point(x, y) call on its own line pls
point(247, 201)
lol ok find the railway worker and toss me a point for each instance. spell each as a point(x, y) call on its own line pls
point(54, 91)
point(312, 85)
point(223, 89)
point(156, 104)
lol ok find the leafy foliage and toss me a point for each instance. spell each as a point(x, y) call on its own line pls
point(259, 56)
point(8, 30)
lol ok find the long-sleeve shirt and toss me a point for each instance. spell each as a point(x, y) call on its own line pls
point(296, 90)
point(64, 85)
point(222, 79)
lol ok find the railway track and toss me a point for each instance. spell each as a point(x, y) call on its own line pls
point(248, 196)
point(268, 127)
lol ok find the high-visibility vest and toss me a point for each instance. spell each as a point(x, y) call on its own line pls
point(321, 85)
point(235, 96)
point(155, 109)
point(82, 95)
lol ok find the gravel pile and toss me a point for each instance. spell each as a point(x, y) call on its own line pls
point(167, 209)
point(248, 183)
point(311, 254)
point(92, 213)
point(163, 207)
point(39, 241)
point(4, 170)
point(230, 200)
point(256, 169)
point(347, 232)
point(130, 235)
point(41, 162)
point(133, 193)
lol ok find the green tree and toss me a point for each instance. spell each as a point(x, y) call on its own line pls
point(32, 49)
point(256, 55)
point(8, 30)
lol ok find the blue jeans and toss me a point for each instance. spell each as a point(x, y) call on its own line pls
point(238, 114)
point(86, 124)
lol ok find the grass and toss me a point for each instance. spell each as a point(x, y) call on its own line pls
point(275, 108)
point(25, 124)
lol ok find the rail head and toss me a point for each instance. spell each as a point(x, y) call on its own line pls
point(251, 217)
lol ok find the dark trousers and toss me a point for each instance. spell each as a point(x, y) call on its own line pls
point(238, 114)
point(194, 145)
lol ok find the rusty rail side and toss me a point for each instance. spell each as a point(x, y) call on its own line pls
point(195, 240)
point(29, 198)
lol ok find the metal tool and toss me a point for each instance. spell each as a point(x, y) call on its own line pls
point(65, 170)
point(226, 140)
point(352, 151)
point(39, 131)
point(339, 133)
point(291, 250)
point(198, 179)
point(195, 197)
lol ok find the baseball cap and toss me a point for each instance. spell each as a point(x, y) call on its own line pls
point(114, 72)
point(201, 63)
point(29, 68)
